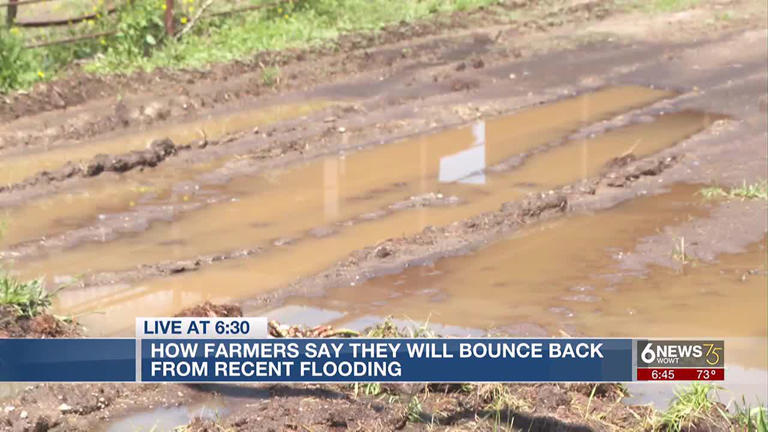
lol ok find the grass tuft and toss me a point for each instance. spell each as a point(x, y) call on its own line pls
point(757, 190)
point(661, 6)
point(388, 329)
point(29, 298)
point(691, 408)
point(751, 419)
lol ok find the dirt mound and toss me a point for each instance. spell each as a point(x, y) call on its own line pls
point(42, 326)
point(321, 331)
point(211, 310)
point(156, 152)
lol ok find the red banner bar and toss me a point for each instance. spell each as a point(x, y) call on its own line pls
point(681, 374)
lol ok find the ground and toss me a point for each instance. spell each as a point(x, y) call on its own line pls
point(139, 193)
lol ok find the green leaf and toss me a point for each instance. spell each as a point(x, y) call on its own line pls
point(150, 39)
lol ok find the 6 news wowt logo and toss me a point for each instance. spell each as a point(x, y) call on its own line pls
point(680, 360)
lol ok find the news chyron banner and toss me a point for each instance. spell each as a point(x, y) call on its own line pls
point(240, 350)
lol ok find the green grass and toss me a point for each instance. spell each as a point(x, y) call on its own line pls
point(270, 76)
point(28, 298)
point(751, 419)
point(303, 23)
point(141, 44)
point(661, 6)
point(414, 410)
point(388, 329)
point(757, 190)
point(672, 5)
point(692, 406)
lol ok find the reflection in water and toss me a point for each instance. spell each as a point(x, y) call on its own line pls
point(466, 166)
point(565, 276)
point(102, 198)
point(331, 188)
point(312, 253)
point(168, 419)
point(290, 202)
point(16, 168)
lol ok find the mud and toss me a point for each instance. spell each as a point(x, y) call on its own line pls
point(581, 138)
point(13, 325)
point(350, 237)
point(353, 184)
point(155, 153)
point(122, 153)
point(106, 407)
point(179, 93)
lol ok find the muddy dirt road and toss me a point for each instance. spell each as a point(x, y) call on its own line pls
point(539, 176)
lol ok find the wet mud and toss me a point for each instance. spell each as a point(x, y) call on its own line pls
point(518, 179)
point(473, 198)
point(288, 202)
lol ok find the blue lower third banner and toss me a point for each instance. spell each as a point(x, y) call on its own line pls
point(68, 360)
point(386, 360)
point(316, 360)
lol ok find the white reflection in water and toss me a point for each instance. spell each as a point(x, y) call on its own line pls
point(466, 166)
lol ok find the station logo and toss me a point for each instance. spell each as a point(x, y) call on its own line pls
point(680, 353)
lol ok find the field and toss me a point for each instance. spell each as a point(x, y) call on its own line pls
point(543, 168)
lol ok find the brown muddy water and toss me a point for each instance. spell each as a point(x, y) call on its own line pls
point(103, 197)
point(288, 203)
point(14, 168)
point(168, 418)
point(309, 254)
point(43, 217)
point(562, 277)
point(567, 278)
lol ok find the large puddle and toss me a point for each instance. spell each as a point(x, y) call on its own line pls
point(288, 203)
point(309, 254)
point(42, 218)
point(557, 278)
point(168, 419)
point(14, 168)
point(566, 277)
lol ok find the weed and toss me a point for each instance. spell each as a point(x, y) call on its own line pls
point(751, 419)
point(270, 76)
point(29, 298)
point(414, 410)
point(713, 192)
point(589, 401)
point(659, 6)
point(368, 389)
point(17, 65)
point(751, 191)
point(385, 329)
point(725, 16)
point(691, 407)
point(140, 30)
point(757, 190)
point(497, 397)
point(388, 329)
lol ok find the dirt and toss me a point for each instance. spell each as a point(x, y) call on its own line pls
point(534, 407)
point(326, 192)
point(211, 310)
point(14, 325)
point(179, 93)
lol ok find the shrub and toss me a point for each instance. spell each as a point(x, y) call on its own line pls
point(17, 65)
